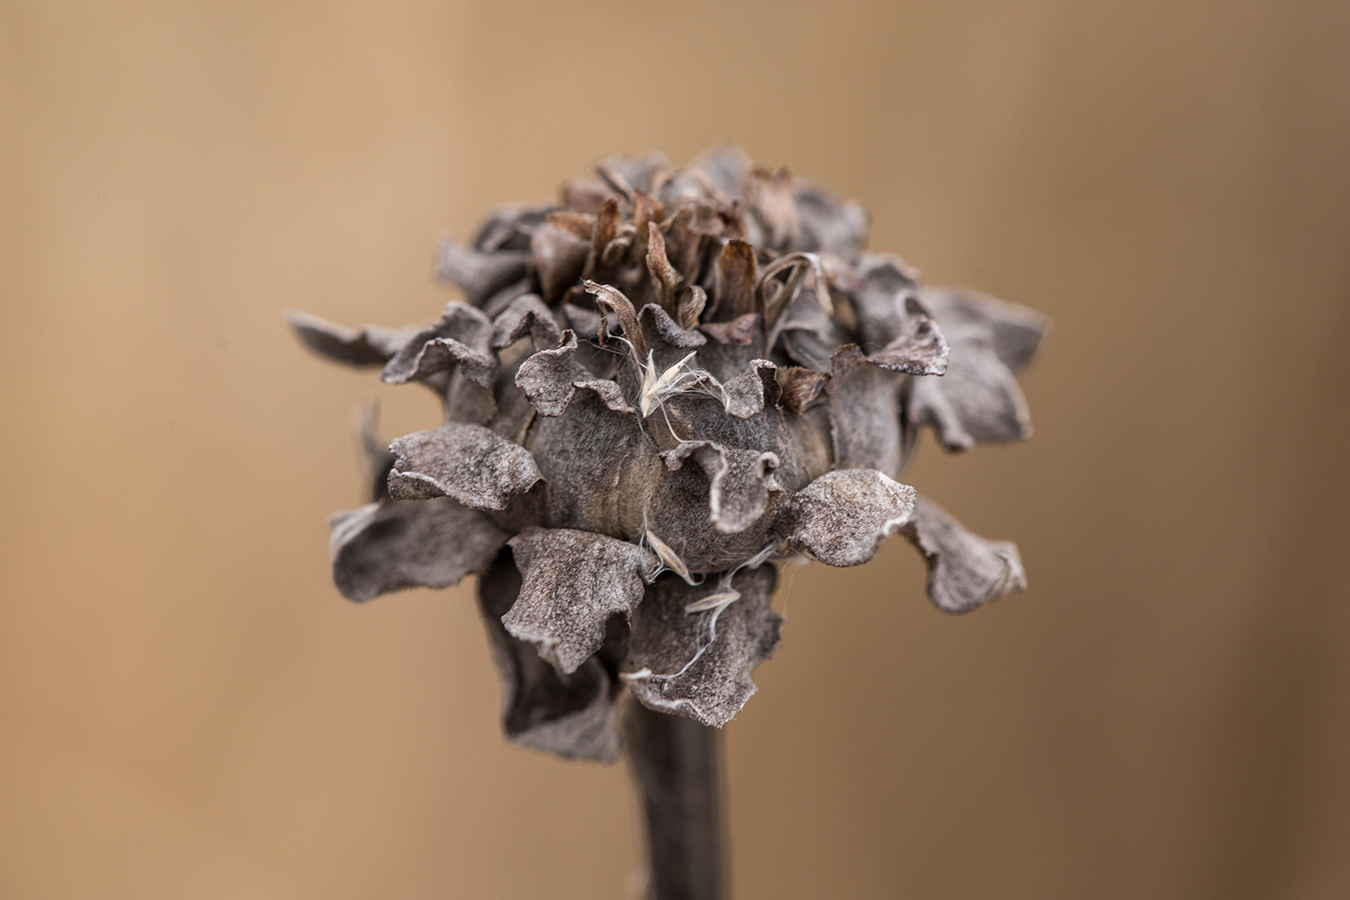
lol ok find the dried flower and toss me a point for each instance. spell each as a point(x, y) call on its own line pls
point(654, 390)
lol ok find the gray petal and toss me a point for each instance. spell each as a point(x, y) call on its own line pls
point(1016, 331)
point(740, 481)
point(829, 223)
point(842, 517)
point(725, 166)
point(370, 346)
point(558, 258)
point(467, 462)
point(919, 349)
point(508, 227)
point(479, 275)
point(390, 546)
point(526, 314)
point(800, 387)
point(864, 414)
point(550, 378)
point(569, 715)
point(574, 581)
point(698, 665)
point(965, 571)
point(747, 394)
point(461, 337)
point(657, 325)
point(884, 284)
point(977, 401)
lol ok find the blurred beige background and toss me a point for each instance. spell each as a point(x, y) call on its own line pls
point(189, 710)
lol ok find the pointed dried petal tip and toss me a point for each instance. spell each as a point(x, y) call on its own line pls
point(919, 349)
point(698, 664)
point(842, 517)
point(574, 581)
point(467, 462)
point(384, 547)
point(526, 314)
point(370, 346)
point(965, 571)
point(570, 715)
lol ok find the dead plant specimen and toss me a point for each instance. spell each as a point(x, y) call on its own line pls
point(655, 389)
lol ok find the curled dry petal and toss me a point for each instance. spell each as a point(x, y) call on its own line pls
point(747, 394)
point(864, 413)
point(965, 571)
point(885, 283)
point(919, 349)
point(559, 258)
point(389, 546)
point(460, 338)
point(570, 715)
point(842, 517)
point(739, 481)
point(574, 581)
point(800, 387)
point(467, 462)
point(369, 346)
point(550, 378)
point(479, 275)
point(526, 314)
point(698, 665)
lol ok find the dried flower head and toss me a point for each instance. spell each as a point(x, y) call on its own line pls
point(654, 390)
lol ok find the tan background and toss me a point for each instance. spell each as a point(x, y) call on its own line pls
point(189, 710)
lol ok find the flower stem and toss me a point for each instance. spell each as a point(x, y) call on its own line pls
point(675, 764)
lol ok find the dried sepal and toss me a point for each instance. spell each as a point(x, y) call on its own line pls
point(460, 338)
point(568, 715)
point(393, 545)
point(698, 664)
point(965, 571)
point(472, 464)
point(842, 517)
point(573, 582)
point(371, 345)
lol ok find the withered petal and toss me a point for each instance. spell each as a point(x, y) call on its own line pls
point(864, 413)
point(508, 227)
point(965, 571)
point(884, 284)
point(369, 346)
point(919, 349)
point(550, 378)
point(479, 275)
point(739, 481)
point(747, 394)
point(1015, 331)
point(829, 223)
point(657, 325)
point(742, 330)
point(475, 466)
point(389, 546)
point(460, 338)
point(568, 715)
point(698, 665)
point(800, 387)
point(842, 517)
point(559, 258)
point(977, 401)
point(573, 582)
point(527, 314)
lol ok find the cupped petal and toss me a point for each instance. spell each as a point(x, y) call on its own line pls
point(842, 517)
point(394, 545)
point(371, 345)
point(568, 715)
point(550, 378)
point(573, 582)
point(884, 284)
point(747, 394)
point(864, 412)
point(475, 466)
point(527, 314)
point(479, 275)
point(460, 338)
point(739, 481)
point(698, 664)
point(965, 571)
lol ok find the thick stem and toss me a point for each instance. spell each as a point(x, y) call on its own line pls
point(675, 764)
